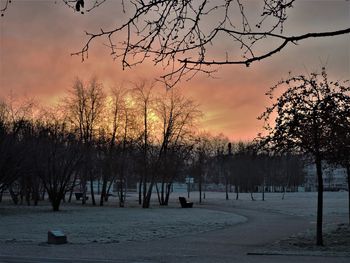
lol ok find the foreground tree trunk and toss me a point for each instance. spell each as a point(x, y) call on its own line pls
point(319, 237)
point(348, 173)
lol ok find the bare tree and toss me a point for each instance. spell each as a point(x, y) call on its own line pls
point(305, 121)
point(114, 113)
point(85, 106)
point(56, 157)
point(144, 100)
point(15, 132)
point(126, 141)
point(177, 116)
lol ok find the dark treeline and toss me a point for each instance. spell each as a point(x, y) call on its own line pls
point(123, 137)
point(244, 167)
point(128, 137)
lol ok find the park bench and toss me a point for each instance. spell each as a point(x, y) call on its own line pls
point(79, 196)
point(184, 203)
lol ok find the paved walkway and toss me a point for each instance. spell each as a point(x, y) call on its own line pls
point(225, 245)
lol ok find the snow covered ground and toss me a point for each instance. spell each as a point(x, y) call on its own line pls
point(111, 224)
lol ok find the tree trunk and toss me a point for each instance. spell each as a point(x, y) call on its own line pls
point(237, 191)
point(121, 192)
point(263, 190)
point(109, 190)
point(14, 196)
point(140, 191)
point(251, 196)
point(284, 192)
point(226, 188)
point(348, 173)
point(200, 188)
point(72, 188)
point(104, 189)
point(158, 195)
point(147, 199)
point(92, 191)
point(319, 236)
point(205, 186)
point(55, 202)
point(27, 195)
point(43, 194)
point(83, 186)
point(144, 190)
point(36, 196)
point(162, 201)
point(168, 190)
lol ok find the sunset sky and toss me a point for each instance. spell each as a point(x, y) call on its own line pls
point(37, 38)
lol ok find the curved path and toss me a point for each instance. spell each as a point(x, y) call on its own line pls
point(225, 245)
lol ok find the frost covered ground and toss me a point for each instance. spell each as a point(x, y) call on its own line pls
point(112, 224)
point(107, 224)
point(299, 204)
point(217, 228)
point(336, 228)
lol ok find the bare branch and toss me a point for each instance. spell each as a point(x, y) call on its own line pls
point(177, 36)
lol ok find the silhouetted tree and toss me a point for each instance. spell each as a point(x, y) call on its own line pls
point(145, 103)
point(177, 116)
point(341, 140)
point(108, 139)
point(15, 129)
point(85, 107)
point(305, 122)
point(57, 157)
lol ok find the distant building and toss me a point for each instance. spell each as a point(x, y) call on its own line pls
point(334, 178)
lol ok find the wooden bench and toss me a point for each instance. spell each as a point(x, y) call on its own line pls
point(79, 196)
point(184, 203)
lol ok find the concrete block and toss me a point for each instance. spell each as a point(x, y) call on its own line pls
point(56, 237)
